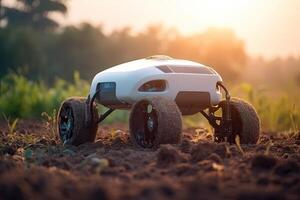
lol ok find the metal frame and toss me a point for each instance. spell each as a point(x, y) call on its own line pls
point(90, 103)
point(225, 122)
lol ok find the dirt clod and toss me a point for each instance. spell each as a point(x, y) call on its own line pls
point(6, 165)
point(263, 162)
point(185, 145)
point(11, 191)
point(8, 150)
point(167, 155)
point(260, 195)
point(204, 150)
point(287, 167)
point(215, 157)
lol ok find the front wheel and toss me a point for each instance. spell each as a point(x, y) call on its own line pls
point(73, 125)
point(244, 122)
point(154, 121)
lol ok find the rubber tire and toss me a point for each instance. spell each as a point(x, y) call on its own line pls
point(82, 132)
point(245, 121)
point(169, 122)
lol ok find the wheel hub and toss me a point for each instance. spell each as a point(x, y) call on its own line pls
point(66, 124)
point(146, 129)
point(150, 124)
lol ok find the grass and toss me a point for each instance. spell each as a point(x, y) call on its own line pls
point(22, 98)
point(12, 141)
point(51, 123)
point(238, 144)
point(12, 125)
point(278, 112)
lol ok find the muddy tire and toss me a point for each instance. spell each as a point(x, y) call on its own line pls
point(73, 125)
point(154, 121)
point(245, 122)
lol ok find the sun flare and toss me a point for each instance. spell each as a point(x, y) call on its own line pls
point(215, 12)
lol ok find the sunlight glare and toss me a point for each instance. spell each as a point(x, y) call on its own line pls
point(216, 12)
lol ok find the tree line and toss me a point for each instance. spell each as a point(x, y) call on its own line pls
point(33, 44)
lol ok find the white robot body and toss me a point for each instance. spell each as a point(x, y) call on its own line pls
point(191, 85)
point(158, 90)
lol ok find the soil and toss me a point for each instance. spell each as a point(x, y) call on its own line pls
point(34, 165)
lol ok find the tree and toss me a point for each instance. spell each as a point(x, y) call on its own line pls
point(21, 49)
point(34, 13)
point(0, 12)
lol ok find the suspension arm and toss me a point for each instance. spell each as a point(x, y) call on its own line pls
point(91, 102)
point(225, 120)
point(104, 115)
point(91, 109)
point(210, 118)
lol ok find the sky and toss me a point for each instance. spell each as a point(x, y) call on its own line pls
point(268, 27)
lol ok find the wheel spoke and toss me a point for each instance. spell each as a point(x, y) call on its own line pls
point(145, 125)
point(149, 108)
point(66, 124)
point(145, 135)
point(145, 120)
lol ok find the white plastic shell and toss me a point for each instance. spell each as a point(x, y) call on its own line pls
point(130, 76)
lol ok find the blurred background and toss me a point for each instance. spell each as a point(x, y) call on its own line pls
point(51, 49)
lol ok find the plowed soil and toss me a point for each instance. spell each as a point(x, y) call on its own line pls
point(34, 165)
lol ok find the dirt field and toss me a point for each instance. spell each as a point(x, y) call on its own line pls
point(33, 165)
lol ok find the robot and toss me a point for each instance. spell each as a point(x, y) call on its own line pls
point(158, 90)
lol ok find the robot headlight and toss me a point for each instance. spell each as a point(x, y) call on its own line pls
point(153, 86)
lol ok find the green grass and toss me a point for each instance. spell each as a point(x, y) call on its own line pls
point(278, 112)
point(22, 98)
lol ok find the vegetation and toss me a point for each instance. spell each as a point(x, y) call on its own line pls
point(87, 49)
point(23, 98)
point(34, 13)
point(277, 113)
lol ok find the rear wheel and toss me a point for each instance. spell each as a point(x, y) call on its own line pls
point(245, 122)
point(155, 121)
point(74, 127)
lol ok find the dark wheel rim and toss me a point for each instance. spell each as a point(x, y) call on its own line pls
point(66, 124)
point(236, 126)
point(145, 129)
